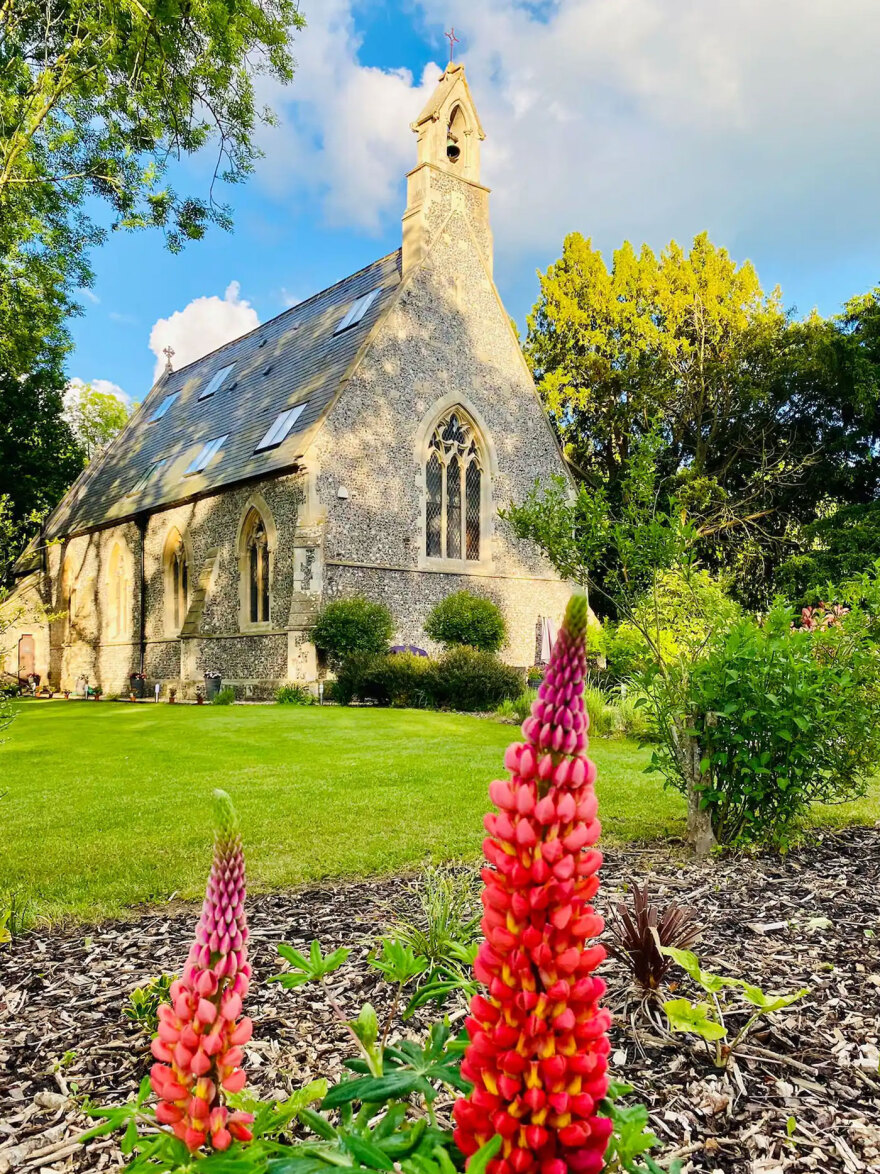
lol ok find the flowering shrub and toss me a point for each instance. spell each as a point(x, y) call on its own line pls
point(538, 1048)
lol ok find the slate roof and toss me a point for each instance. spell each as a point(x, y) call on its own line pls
point(293, 359)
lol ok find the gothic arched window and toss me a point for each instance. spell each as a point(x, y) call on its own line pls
point(117, 594)
point(454, 490)
point(256, 578)
point(176, 583)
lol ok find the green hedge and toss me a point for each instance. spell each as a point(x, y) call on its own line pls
point(463, 679)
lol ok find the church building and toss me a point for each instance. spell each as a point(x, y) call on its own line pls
point(361, 443)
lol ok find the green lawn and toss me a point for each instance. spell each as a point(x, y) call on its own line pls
point(107, 805)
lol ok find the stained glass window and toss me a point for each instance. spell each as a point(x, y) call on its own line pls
point(454, 487)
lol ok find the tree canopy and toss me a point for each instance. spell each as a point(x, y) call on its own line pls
point(758, 419)
point(100, 101)
point(95, 417)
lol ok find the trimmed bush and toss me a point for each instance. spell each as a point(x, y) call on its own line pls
point(467, 619)
point(401, 680)
point(348, 626)
point(468, 679)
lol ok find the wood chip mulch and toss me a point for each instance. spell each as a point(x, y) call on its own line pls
point(804, 1096)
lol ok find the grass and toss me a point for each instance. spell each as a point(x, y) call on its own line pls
point(108, 805)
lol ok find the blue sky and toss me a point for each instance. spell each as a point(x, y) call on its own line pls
point(638, 119)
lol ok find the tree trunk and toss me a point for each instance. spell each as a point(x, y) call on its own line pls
point(699, 823)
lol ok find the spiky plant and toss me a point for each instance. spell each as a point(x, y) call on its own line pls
point(636, 933)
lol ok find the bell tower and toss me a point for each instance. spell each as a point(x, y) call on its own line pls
point(446, 177)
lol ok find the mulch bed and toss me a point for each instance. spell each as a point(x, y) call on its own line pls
point(62, 1032)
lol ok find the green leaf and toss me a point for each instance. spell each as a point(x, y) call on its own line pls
point(484, 1155)
point(373, 1088)
point(366, 1153)
point(311, 969)
point(398, 962)
point(685, 1016)
point(318, 1123)
point(770, 1003)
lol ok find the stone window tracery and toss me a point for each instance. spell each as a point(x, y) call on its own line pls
point(454, 490)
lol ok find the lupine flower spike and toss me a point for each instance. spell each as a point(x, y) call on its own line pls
point(538, 1047)
point(201, 1033)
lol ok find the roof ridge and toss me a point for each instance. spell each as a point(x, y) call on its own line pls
point(320, 293)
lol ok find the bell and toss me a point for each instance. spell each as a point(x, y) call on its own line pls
point(452, 148)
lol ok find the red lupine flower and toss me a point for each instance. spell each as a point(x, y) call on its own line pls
point(538, 1046)
point(200, 1038)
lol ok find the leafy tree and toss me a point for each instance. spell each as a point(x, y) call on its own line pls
point(95, 417)
point(98, 104)
point(39, 457)
point(624, 551)
point(99, 99)
point(759, 418)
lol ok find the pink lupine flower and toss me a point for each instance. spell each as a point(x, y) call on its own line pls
point(201, 1035)
point(538, 1043)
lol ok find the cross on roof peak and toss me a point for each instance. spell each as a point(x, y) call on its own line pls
point(168, 352)
point(453, 41)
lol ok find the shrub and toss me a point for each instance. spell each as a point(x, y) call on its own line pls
point(354, 625)
point(638, 932)
point(517, 709)
point(404, 679)
point(224, 697)
point(294, 695)
point(785, 717)
point(681, 615)
point(468, 679)
point(467, 619)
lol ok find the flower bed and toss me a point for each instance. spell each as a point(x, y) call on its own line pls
point(64, 992)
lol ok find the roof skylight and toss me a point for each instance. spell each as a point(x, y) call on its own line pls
point(163, 407)
point(147, 476)
point(216, 382)
point(281, 427)
point(357, 310)
point(205, 456)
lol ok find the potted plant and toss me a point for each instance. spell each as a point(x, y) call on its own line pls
point(213, 684)
point(138, 685)
point(172, 696)
point(200, 695)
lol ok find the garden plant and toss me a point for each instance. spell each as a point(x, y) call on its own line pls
point(529, 1072)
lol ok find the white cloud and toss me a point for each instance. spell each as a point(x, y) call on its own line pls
point(105, 386)
point(344, 134)
point(202, 326)
point(640, 119)
point(90, 296)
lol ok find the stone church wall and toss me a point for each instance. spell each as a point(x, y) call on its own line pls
point(446, 341)
point(254, 659)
